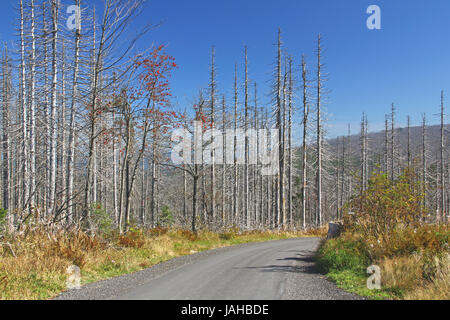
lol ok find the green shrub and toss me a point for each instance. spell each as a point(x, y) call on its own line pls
point(101, 219)
point(3, 213)
point(226, 236)
point(166, 219)
point(229, 234)
point(343, 254)
point(386, 206)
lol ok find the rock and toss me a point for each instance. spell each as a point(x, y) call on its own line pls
point(334, 230)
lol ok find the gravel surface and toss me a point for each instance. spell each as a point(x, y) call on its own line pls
point(272, 270)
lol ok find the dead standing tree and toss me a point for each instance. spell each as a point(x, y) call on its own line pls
point(117, 17)
point(305, 86)
point(319, 131)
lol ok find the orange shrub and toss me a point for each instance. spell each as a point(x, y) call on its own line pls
point(132, 239)
point(158, 231)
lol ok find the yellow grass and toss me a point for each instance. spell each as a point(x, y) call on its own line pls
point(403, 273)
point(439, 286)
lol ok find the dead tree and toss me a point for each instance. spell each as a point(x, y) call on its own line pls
point(442, 162)
point(408, 153)
point(212, 86)
point(236, 170)
point(73, 110)
point(305, 138)
point(393, 158)
point(424, 161)
point(319, 130)
point(24, 113)
point(6, 201)
point(246, 127)
point(279, 125)
point(289, 145)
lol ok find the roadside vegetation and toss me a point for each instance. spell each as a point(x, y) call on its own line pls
point(33, 264)
point(389, 229)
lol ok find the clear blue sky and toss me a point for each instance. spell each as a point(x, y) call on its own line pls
point(407, 62)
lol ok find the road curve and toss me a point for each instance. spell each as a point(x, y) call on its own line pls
point(275, 270)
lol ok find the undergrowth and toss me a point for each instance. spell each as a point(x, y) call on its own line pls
point(33, 264)
point(388, 231)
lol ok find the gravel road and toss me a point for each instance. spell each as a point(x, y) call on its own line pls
point(275, 270)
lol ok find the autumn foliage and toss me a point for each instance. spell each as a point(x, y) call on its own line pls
point(386, 205)
point(388, 228)
point(154, 71)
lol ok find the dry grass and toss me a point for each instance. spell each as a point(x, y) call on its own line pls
point(33, 265)
point(438, 288)
point(403, 273)
point(414, 262)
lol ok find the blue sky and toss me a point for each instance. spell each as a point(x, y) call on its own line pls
point(406, 62)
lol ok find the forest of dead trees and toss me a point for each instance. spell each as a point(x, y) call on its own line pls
point(86, 134)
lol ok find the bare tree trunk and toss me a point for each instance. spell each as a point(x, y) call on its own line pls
point(363, 154)
point(62, 127)
point(442, 163)
point(343, 174)
point(319, 132)
point(424, 161)
point(24, 111)
point(153, 194)
point(114, 154)
point(340, 160)
point(256, 173)
point(235, 185)
point(283, 121)
point(393, 143)
point(349, 147)
point(213, 166)
point(47, 112)
point(261, 180)
point(5, 140)
point(53, 122)
point(386, 144)
point(194, 198)
point(184, 195)
point(155, 172)
point(304, 145)
point(224, 160)
point(33, 111)
point(366, 135)
point(185, 185)
point(95, 75)
point(198, 158)
point(143, 192)
point(409, 142)
point(246, 173)
point(73, 108)
point(124, 170)
point(280, 197)
point(290, 90)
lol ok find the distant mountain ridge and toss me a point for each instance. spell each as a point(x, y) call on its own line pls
point(376, 141)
